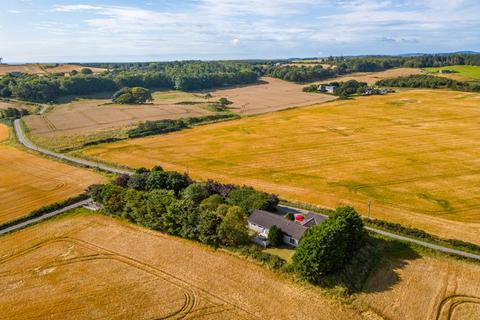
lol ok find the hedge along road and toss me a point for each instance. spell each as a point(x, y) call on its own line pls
point(21, 137)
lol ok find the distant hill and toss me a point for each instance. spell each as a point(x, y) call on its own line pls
point(438, 54)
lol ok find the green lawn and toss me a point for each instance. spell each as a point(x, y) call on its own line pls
point(283, 252)
point(467, 71)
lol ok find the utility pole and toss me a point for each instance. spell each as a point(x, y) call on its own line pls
point(369, 207)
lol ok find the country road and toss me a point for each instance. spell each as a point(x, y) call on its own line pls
point(25, 223)
point(23, 140)
point(26, 143)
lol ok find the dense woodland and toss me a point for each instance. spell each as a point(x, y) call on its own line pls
point(428, 81)
point(198, 75)
point(186, 76)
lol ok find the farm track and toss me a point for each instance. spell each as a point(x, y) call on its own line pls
point(26, 143)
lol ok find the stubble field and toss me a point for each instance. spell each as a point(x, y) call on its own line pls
point(37, 68)
point(413, 153)
point(270, 95)
point(372, 77)
point(424, 288)
point(29, 182)
point(73, 123)
point(96, 267)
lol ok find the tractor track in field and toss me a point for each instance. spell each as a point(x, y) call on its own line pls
point(192, 294)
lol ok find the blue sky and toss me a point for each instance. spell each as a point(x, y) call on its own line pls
point(126, 30)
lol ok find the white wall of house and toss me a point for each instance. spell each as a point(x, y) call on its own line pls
point(258, 229)
point(289, 240)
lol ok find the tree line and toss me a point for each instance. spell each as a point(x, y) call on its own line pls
point(428, 81)
point(344, 65)
point(186, 76)
point(211, 212)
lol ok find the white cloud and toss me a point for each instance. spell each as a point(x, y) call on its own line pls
point(14, 11)
point(258, 28)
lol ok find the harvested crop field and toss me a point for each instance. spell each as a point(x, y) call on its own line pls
point(96, 267)
point(37, 68)
point(424, 288)
point(29, 182)
point(270, 95)
point(18, 105)
point(413, 153)
point(86, 119)
point(372, 77)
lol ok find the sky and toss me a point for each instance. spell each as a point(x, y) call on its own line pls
point(160, 30)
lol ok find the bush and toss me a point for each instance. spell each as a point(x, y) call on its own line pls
point(250, 199)
point(325, 248)
point(270, 260)
point(196, 192)
point(233, 229)
point(86, 71)
point(290, 216)
point(135, 95)
point(148, 128)
point(275, 236)
point(212, 202)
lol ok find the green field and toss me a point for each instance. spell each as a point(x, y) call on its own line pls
point(470, 72)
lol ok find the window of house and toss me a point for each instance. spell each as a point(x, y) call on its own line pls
point(292, 241)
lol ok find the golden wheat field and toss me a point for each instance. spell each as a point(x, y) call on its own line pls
point(29, 182)
point(424, 288)
point(96, 267)
point(413, 153)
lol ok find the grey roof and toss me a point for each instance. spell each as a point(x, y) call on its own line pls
point(291, 228)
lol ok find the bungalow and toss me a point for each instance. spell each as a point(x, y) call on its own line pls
point(327, 88)
point(261, 221)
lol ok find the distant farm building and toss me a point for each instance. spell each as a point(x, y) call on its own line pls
point(445, 71)
point(261, 221)
point(327, 88)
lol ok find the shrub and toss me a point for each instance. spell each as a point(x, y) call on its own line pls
point(135, 95)
point(275, 236)
point(212, 202)
point(325, 248)
point(196, 192)
point(233, 229)
point(250, 199)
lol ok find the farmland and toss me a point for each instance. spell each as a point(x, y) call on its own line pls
point(270, 95)
point(70, 267)
point(424, 288)
point(29, 182)
point(372, 77)
point(462, 72)
point(404, 151)
point(75, 122)
point(17, 104)
point(37, 68)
